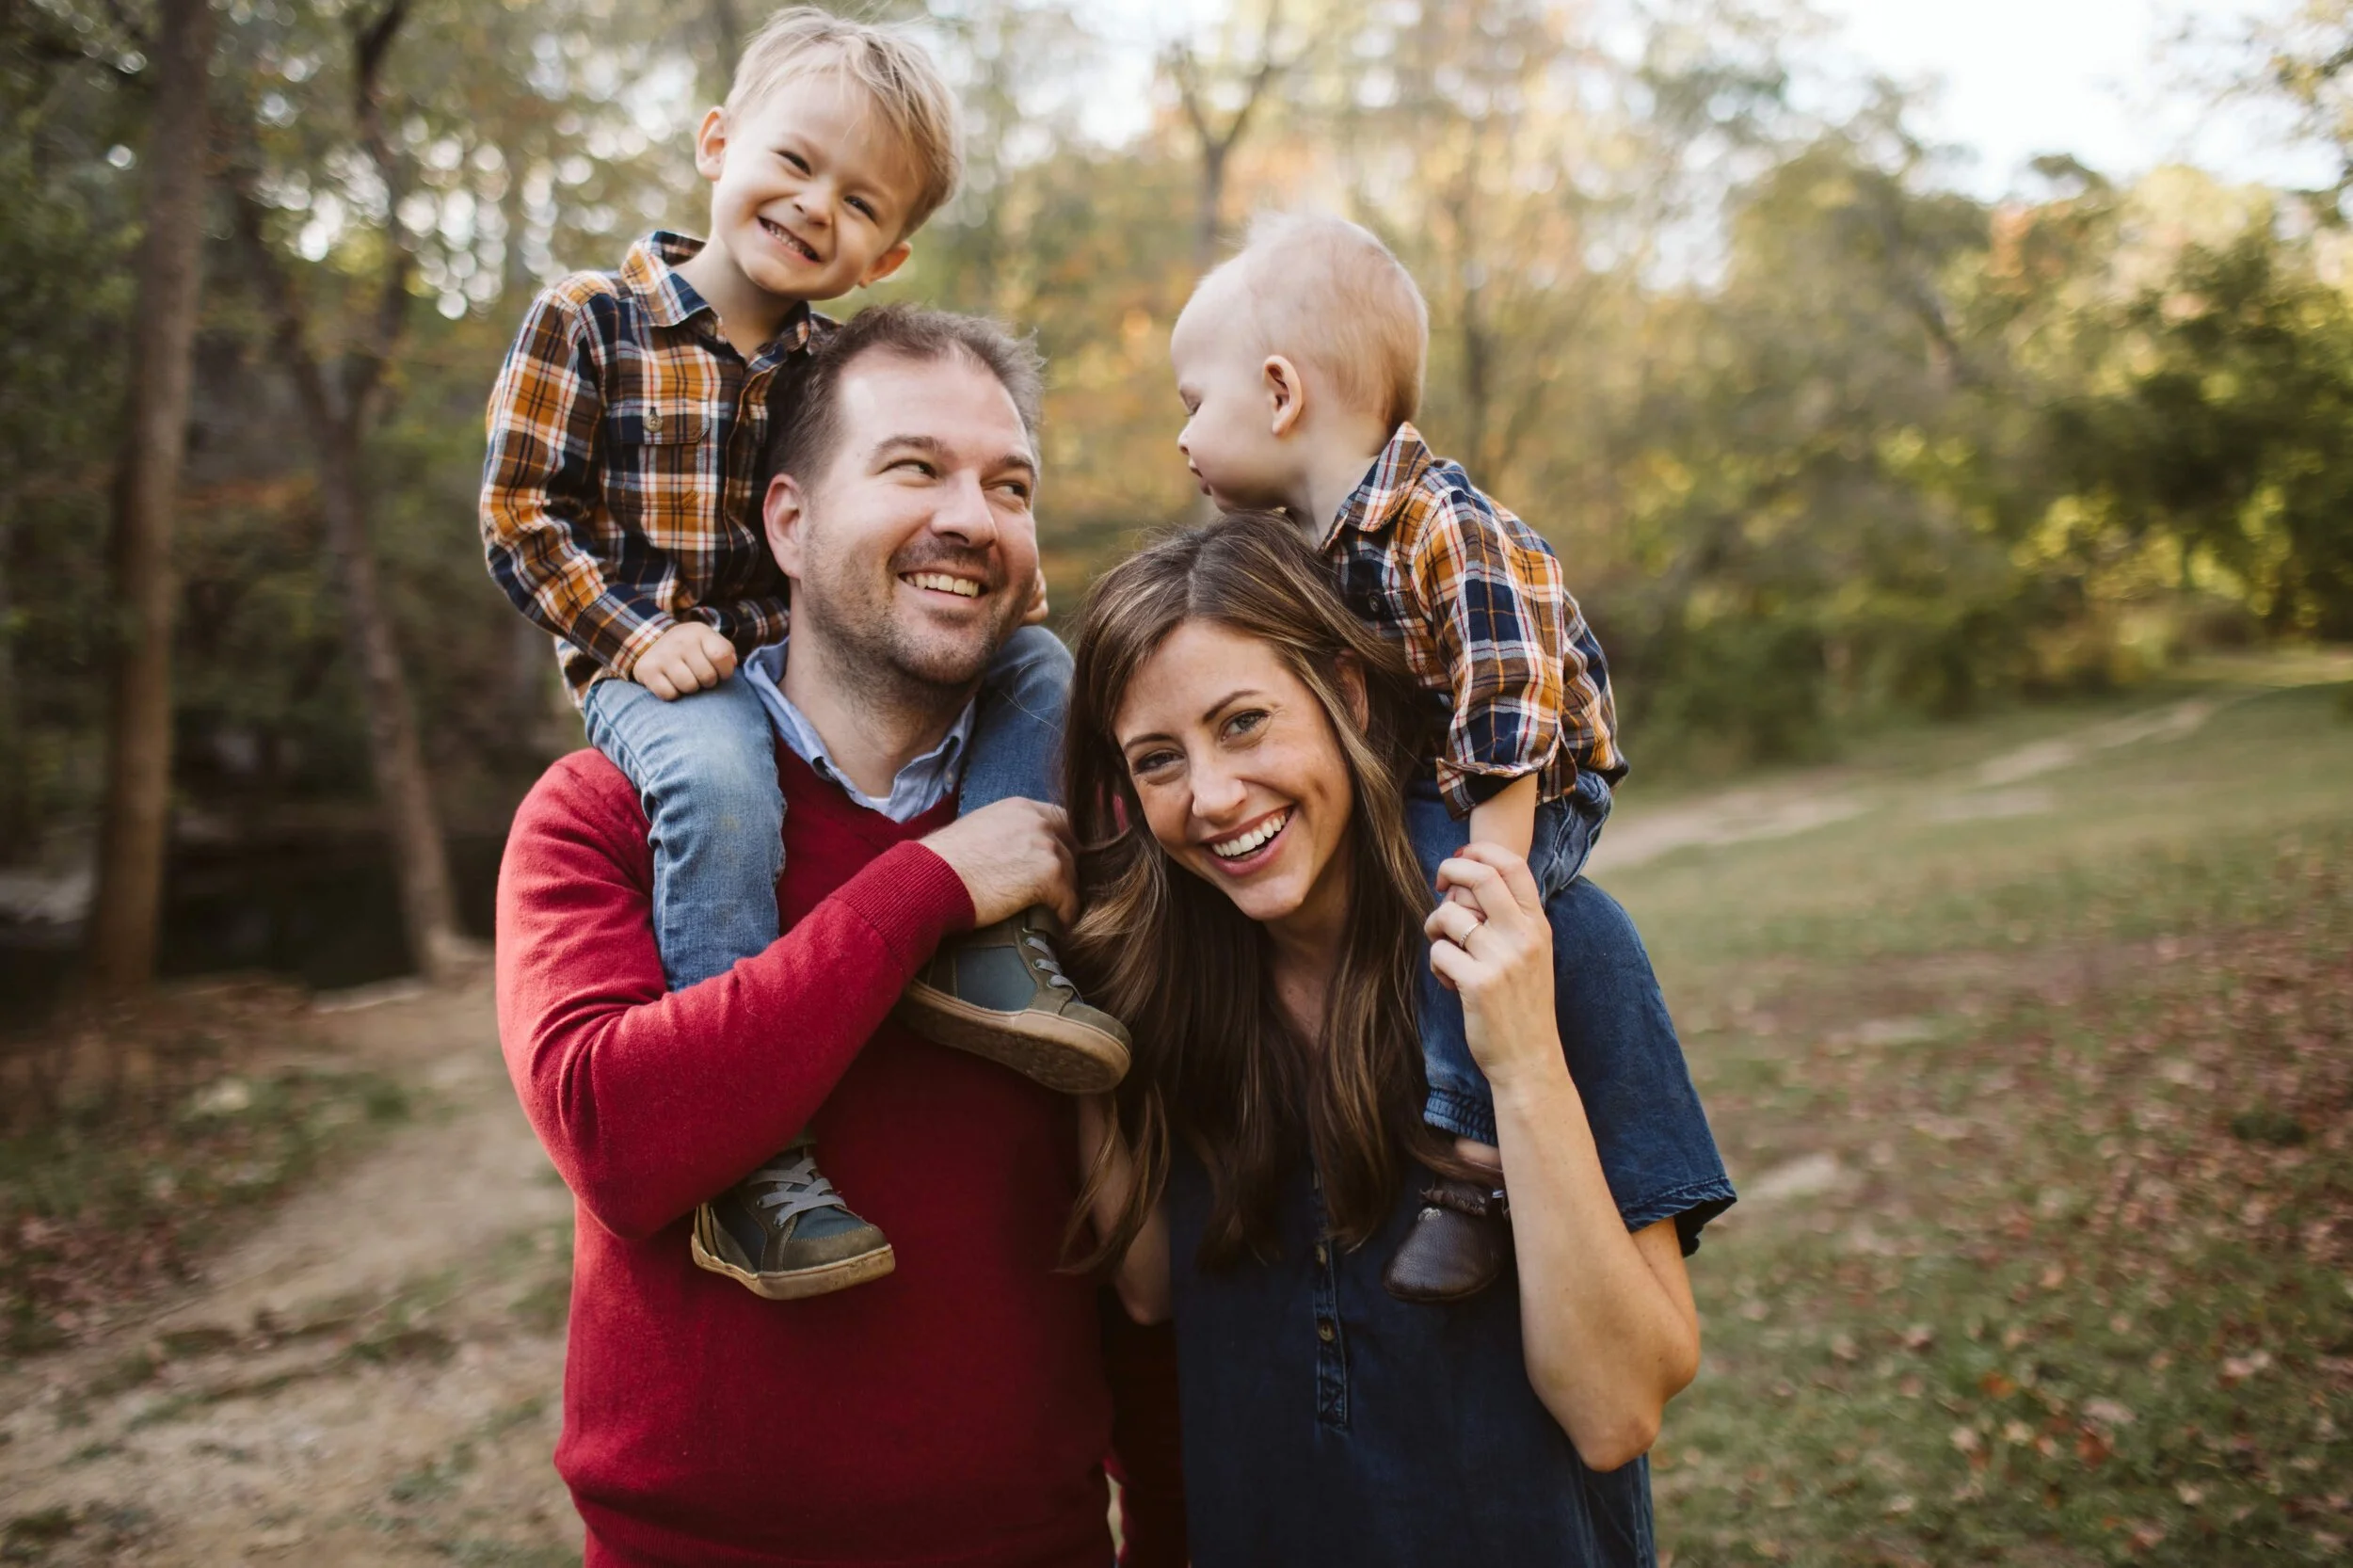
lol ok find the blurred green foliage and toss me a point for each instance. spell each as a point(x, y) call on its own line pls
point(1817, 437)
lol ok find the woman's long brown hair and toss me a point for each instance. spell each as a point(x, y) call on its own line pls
point(1216, 1064)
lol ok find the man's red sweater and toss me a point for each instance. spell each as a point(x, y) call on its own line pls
point(954, 1413)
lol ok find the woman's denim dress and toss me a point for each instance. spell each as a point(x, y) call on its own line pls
point(1329, 1425)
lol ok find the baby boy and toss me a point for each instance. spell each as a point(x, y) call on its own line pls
point(1300, 364)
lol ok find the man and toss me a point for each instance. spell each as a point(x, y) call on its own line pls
point(956, 1411)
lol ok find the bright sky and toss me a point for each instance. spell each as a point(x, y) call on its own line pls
point(2012, 79)
point(2091, 77)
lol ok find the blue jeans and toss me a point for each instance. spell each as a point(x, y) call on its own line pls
point(1460, 1102)
point(705, 766)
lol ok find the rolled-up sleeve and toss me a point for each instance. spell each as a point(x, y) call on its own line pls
point(1496, 610)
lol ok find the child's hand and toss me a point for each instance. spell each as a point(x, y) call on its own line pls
point(686, 658)
point(1498, 961)
point(1036, 613)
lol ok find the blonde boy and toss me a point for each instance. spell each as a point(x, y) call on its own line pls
point(628, 434)
point(1300, 365)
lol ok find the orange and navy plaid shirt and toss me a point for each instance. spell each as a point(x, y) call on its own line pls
point(626, 437)
point(1474, 596)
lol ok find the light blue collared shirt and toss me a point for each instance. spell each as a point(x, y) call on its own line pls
point(922, 784)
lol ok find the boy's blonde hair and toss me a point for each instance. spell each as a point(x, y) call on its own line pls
point(1327, 291)
point(896, 72)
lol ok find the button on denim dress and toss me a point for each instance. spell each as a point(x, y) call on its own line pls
point(1329, 1425)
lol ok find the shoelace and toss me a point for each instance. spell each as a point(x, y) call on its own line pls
point(1047, 963)
point(794, 1186)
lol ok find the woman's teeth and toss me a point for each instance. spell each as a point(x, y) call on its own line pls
point(961, 587)
point(1242, 843)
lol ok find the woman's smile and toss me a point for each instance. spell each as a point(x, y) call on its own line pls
point(1242, 852)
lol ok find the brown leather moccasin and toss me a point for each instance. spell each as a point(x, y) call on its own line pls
point(1460, 1244)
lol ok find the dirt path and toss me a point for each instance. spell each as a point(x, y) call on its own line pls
point(1998, 787)
point(372, 1376)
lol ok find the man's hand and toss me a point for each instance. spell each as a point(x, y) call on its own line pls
point(1012, 854)
point(686, 658)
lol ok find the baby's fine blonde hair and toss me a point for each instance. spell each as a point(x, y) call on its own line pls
point(1327, 291)
point(895, 71)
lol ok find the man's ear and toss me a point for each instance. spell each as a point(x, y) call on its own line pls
point(711, 144)
point(887, 262)
point(1351, 673)
point(1287, 393)
point(784, 510)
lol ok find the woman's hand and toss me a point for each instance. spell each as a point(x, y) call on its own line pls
point(1496, 952)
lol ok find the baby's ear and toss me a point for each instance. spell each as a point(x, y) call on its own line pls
point(1287, 393)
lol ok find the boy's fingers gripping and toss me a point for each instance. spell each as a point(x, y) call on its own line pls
point(651, 675)
point(718, 650)
point(697, 672)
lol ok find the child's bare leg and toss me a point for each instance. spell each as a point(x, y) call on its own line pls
point(1485, 1155)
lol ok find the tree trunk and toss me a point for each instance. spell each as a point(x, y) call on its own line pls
point(122, 930)
point(1212, 204)
point(15, 777)
point(421, 864)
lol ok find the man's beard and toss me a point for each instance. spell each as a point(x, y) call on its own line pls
point(876, 651)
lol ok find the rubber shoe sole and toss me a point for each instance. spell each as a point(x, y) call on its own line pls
point(1059, 1052)
point(820, 1281)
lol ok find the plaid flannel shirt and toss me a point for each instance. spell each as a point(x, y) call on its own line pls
point(626, 434)
point(1474, 596)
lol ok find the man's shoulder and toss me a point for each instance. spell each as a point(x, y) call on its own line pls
point(582, 794)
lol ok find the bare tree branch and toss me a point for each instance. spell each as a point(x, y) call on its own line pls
point(1217, 146)
point(371, 43)
point(128, 26)
point(289, 326)
point(44, 42)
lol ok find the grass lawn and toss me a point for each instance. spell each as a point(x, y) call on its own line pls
point(2037, 1083)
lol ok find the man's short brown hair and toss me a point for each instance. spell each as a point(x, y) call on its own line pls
point(805, 427)
point(893, 69)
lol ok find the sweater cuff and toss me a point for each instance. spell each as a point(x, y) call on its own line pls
point(912, 897)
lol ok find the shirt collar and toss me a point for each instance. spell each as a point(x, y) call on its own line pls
point(651, 272)
point(922, 784)
point(1381, 495)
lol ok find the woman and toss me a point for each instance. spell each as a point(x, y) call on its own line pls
point(1238, 747)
